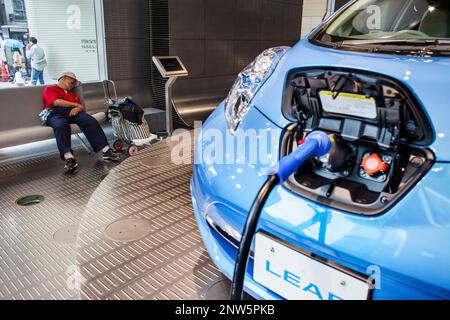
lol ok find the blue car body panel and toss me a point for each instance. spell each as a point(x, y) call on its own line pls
point(409, 243)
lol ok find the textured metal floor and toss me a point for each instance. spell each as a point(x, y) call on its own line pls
point(41, 257)
point(170, 262)
point(37, 243)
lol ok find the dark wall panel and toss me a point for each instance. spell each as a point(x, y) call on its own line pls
point(215, 38)
point(273, 20)
point(226, 36)
point(219, 57)
point(128, 58)
point(220, 19)
point(248, 20)
point(127, 33)
point(187, 19)
point(193, 52)
point(213, 87)
point(125, 18)
point(245, 51)
point(159, 45)
point(292, 23)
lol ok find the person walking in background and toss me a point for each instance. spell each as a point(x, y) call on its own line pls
point(17, 60)
point(2, 52)
point(5, 76)
point(18, 65)
point(38, 61)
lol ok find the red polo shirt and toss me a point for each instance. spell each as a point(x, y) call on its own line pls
point(55, 92)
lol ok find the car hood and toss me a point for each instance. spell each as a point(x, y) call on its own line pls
point(427, 78)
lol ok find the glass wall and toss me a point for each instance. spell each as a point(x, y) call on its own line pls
point(69, 36)
point(313, 13)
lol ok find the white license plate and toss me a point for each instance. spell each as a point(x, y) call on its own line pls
point(296, 276)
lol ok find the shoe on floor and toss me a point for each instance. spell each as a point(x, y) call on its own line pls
point(71, 166)
point(110, 155)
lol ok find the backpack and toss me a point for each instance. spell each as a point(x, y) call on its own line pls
point(131, 111)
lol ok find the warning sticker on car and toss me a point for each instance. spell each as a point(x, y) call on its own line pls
point(349, 104)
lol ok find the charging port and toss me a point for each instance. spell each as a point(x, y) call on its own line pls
point(378, 129)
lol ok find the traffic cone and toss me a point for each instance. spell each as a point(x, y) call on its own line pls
point(5, 75)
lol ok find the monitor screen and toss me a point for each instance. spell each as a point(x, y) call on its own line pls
point(171, 64)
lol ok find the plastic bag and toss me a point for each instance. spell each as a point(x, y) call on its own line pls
point(43, 116)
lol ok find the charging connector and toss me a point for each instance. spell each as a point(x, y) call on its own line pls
point(317, 144)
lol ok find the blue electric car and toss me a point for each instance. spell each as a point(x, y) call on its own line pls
point(371, 218)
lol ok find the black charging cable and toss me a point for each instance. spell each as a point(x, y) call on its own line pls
point(317, 144)
point(237, 287)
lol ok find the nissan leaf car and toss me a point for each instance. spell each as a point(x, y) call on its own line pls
point(372, 222)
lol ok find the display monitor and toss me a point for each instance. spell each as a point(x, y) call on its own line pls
point(170, 66)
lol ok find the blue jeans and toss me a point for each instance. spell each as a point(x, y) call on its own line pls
point(60, 121)
point(37, 75)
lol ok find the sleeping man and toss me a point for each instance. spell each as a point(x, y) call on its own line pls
point(62, 108)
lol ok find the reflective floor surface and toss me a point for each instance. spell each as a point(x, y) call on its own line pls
point(122, 231)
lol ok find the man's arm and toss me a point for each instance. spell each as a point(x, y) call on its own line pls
point(77, 107)
point(30, 52)
point(67, 104)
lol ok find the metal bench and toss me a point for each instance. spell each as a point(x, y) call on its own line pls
point(19, 121)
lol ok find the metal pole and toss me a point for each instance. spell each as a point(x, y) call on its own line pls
point(3, 19)
point(169, 109)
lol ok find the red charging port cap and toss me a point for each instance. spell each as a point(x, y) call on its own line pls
point(373, 164)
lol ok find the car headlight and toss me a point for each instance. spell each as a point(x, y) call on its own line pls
point(248, 83)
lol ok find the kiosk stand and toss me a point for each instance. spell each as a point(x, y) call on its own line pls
point(170, 68)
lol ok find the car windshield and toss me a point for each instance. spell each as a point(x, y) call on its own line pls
point(389, 21)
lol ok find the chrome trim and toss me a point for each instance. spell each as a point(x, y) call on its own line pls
point(225, 235)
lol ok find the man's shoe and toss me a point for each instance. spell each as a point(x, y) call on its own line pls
point(71, 166)
point(110, 155)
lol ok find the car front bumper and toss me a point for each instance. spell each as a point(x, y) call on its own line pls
point(407, 245)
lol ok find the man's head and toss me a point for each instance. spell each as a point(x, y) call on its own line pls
point(33, 40)
point(68, 81)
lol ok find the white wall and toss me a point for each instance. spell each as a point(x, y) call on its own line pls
point(66, 30)
point(313, 13)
